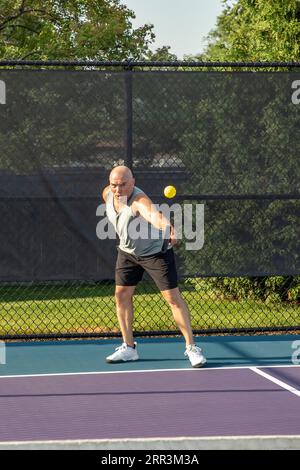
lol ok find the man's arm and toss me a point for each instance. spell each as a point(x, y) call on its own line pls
point(143, 206)
point(104, 193)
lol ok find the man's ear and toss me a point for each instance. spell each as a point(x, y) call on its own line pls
point(104, 193)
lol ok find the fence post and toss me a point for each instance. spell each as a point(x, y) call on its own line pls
point(129, 117)
point(2, 353)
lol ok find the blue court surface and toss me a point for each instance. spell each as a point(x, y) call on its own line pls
point(64, 395)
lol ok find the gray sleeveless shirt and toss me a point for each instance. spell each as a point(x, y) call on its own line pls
point(137, 236)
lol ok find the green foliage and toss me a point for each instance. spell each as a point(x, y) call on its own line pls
point(162, 54)
point(256, 30)
point(271, 289)
point(70, 30)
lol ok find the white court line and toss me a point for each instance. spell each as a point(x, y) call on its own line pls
point(195, 370)
point(276, 381)
point(259, 442)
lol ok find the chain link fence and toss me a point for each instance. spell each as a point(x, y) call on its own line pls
point(217, 305)
point(229, 143)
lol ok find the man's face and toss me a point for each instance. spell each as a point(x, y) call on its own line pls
point(121, 186)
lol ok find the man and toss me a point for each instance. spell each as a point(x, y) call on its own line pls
point(126, 203)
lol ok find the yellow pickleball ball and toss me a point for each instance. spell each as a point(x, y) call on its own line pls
point(170, 191)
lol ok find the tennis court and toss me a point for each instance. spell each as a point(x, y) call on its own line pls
point(64, 395)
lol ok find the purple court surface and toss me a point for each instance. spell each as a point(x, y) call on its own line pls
point(146, 403)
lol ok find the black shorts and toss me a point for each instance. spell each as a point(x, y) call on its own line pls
point(161, 267)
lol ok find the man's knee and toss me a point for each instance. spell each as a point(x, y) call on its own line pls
point(173, 297)
point(123, 295)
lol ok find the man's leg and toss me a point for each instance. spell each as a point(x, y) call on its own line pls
point(124, 306)
point(180, 312)
point(182, 318)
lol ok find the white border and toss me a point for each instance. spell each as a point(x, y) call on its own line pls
point(280, 442)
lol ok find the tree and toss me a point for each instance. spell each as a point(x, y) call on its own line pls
point(162, 54)
point(70, 29)
point(256, 30)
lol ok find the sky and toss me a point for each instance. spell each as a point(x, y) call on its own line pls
point(181, 24)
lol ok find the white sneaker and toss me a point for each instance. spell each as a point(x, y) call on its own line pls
point(195, 355)
point(123, 353)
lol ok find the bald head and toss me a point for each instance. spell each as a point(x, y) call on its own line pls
point(121, 181)
point(120, 172)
